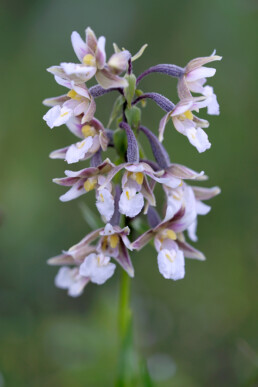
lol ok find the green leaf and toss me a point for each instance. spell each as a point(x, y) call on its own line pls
point(116, 109)
point(90, 217)
point(133, 116)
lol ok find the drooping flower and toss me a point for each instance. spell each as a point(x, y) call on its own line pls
point(170, 245)
point(92, 262)
point(83, 181)
point(187, 123)
point(93, 137)
point(95, 268)
point(91, 53)
point(194, 78)
point(77, 102)
point(71, 280)
point(184, 197)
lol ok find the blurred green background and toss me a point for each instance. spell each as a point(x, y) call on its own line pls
point(196, 332)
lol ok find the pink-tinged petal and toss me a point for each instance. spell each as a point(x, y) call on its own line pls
point(80, 71)
point(111, 174)
point(182, 107)
point(89, 238)
point(205, 193)
point(162, 126)
point(199, 122)
point(199, 73)
point(168, 180)
point(91, 39)
point(62, 259)
point(119, 61)
point(143, 240)
point(55, 100)
point(183, 89)
point(70, 104)
point(124, 260)
point(58, 71)
point(63, 82)
point(74, 125)
point(103, 140)
point(182, 172)
point(73, 193)
point(100, 54)
point(199, 139)
point(183, 126)
point(190, 252)
point(66, 181)
point(198, 62)
point(89, 113)
point(191, 231)
point(197, 86)
point(148, 193)
point(80, 108)
point(79, 46)
point(81, 90)
point(59, 153)
point(201, 208)
point(108, 80)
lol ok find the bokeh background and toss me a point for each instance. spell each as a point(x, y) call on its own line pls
point(196, 332)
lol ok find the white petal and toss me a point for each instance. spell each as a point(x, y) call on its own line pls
point(201, 72)
point(73, 193)
point(199, 139)
point(105, 203)
point(171, 264)
point(201, 208)
point(57, 116)
point(130, 202)
point(63, 278)
point(191, 230)
point(79, 45)
point(81, 71)
point(108, 230)
point(77, 287)
point(98, 268)
point(77, 151)
point(213, 106)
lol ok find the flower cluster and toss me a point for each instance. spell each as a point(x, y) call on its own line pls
point(125, 188)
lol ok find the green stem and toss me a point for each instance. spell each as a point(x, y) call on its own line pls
point(124, 304)
point(125, 370)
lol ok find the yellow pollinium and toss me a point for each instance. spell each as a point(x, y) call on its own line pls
point(138, 177)
point(90, 184)
point(171, 234)
point(72, 94)
point(113, 240)
point(88, 130)
point(89, 60)
point(188, 114)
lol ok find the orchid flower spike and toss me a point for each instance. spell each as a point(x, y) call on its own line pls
point(124, 184)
